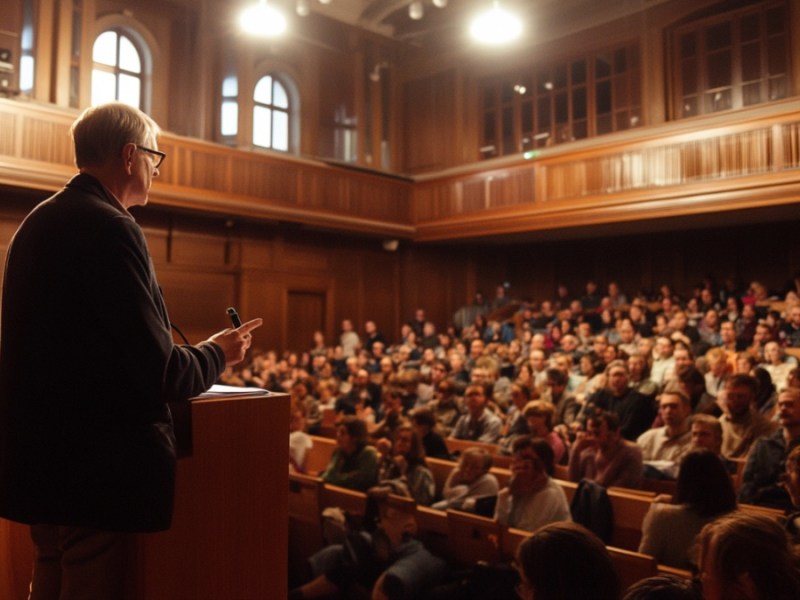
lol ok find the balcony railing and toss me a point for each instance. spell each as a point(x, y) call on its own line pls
point(744, 159)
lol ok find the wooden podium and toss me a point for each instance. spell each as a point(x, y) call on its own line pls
point(229, 536)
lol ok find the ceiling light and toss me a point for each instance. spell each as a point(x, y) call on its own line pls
point(416, 10)
point(495, 26)
point(263, 20)
point(302, 8)
point(440, 3)
point(324, 1)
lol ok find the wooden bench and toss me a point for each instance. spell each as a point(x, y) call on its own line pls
point(319, 455)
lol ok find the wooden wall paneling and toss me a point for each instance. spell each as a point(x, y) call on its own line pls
point(261, 294)
point(196, 300)
point(305, 314)
point(381, 292)
point(429, 109)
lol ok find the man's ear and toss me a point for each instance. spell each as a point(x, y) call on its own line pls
point(128, 151)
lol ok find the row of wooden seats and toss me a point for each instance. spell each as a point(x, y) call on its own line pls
point(629, 506)
point(462, 537)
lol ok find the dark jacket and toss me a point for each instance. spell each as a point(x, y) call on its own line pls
point(87, 365)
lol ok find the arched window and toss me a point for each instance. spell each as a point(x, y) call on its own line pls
point(271, 112)
point(117, 73)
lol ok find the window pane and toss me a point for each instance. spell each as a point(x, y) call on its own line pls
point(560, 79)
point(749, 27)
point(751, 62)
point(561, 108)
point(262, 126)
point(527, 117)
point(603, 97)
point(543, 114)
point(129, 90)
point(280, 99)
point(751, 93)
point(719, 70)
point(718, 101)
point(776, 21)
point(229, 118)
point(508, 132)
point(105, 48)
point(579, 103)
point(776, 53)
point(620, 61)
point(104, 87)
point(689, 77)
point(688, 45)
point(778, 88)
point(129, 56)
point(690, 106)
point(488, 127)
point(578, 72)
point(230, 87)
point(718, 36)
point(604, 124)
point(280, 130)
point(602, 66)
point(620, 92)
point(263, 91)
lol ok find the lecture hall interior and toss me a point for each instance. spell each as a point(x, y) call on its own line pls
point(373, 158)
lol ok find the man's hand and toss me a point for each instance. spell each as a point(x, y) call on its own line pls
point(235, 342)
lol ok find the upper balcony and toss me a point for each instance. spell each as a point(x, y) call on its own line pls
point(748, 159)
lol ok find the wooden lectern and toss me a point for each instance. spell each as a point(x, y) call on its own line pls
point(229, 536)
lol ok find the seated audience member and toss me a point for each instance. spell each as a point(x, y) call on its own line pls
point(402, 470)
point(299, 441)
point(634, 411)
point(663, 366)
point(777, 364)
point(300, 393)
point(479, 424)
point(707, 433)
point(719, 367)
point(468, 481)
point(392, 414)
point(566, 406)
point(704, 492)
point(692, 383)
point(354, 464)
point(363, 396)
point(741, 424)
point(792, 484)
point(603, 456)
point(664, 587)
point(539, 416)
point(747, 557)
point(761, 481)
point(425, 425)
point(446, 406)
point(549, 560)
point(386, 562)
point(515, 419)
point(639, 376)
point(663, 447)
point(767, 396)
point(532, 499)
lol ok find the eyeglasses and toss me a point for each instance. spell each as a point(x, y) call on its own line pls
point(160, 156)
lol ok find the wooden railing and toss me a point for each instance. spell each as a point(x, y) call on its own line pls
point(738, 160)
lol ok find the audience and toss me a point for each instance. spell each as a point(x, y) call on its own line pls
point(747, 557)
point(600, 454)
point(472, 382)
point(354, 463)
point(532, 498)
point(663, 447)
point(761, 482)
point(704, 492)
point(479, 424)
point(402, 470)
point(469, 481)
point(565, 561)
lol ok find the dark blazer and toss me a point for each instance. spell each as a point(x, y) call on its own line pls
point(87, 365)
